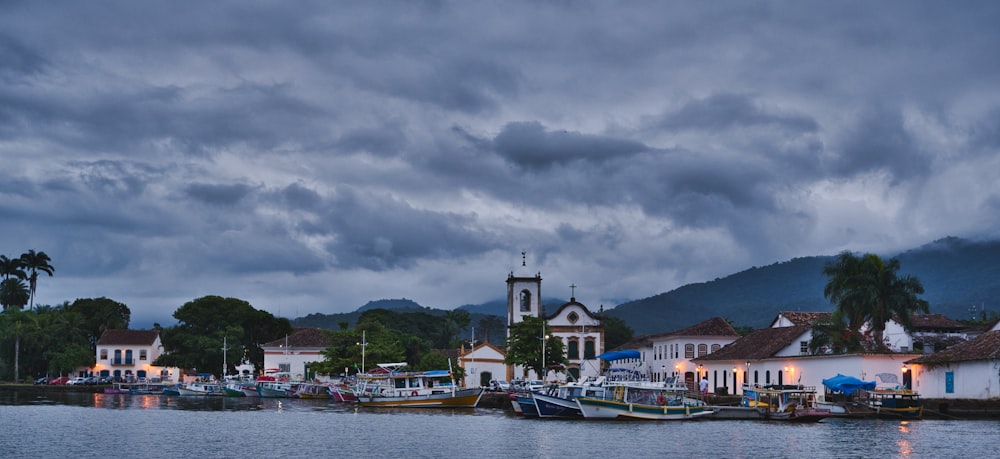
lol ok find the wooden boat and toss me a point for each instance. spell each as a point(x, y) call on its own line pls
point(312, 391)
point(841, 396)
point(201, 389)
point(560, 401)
point(233, 389)
point(792, 403)
point(389, 386)
point(341, 393)
point(895, 403)
point(643, 400)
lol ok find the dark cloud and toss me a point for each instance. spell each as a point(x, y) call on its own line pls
point(529, 145)
point(328, 155)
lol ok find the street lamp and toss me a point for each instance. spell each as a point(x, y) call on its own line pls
point(544, 372)
point(363, 344)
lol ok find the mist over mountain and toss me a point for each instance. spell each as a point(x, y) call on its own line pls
point(960, 277)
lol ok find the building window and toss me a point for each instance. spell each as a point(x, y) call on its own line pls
point(573, 349)
point(803, 347)
point(715, 347)
point(573, 317)
point(702, 349)
point(118, 357)
point(128, 357)
point(525, 301)
point(285, 367)
point(104, 354)
point(589, 350)
point(689, 351)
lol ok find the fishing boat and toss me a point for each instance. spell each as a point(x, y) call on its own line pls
point(342, 393)
point(792, 403)
point(895, 403)
point(312, 391)
point(390, 386)
point(643, 400)
point(841, 396)
point(560, 401)
point(233, 389)
point(201, 389)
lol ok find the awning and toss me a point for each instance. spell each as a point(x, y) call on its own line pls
point(847, 384)
point(619, 355)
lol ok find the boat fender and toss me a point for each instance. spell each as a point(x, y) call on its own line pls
point(413, 394)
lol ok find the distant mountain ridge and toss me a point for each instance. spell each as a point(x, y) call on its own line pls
point(956, 274)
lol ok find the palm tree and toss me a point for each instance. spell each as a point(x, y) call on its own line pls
point(12, 267)
point(34, 262)
point(867, 289)
point(13, 293)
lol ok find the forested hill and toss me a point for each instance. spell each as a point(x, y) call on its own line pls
point(956, 275)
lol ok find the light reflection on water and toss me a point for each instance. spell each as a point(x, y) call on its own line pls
point(103, 425)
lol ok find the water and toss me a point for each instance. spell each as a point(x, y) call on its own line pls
point(98, 425)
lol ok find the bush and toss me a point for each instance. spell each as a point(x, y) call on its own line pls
point(722, 390)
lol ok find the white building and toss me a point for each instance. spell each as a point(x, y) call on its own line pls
point(295, 353)
point(671, 354)
point(482, 364)
point(966, 370)
point(129, 355)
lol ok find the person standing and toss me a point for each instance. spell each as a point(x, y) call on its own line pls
point(704, 387)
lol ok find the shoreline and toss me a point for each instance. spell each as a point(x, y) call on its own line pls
point(941, 408)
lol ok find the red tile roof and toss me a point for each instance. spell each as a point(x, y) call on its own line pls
point(935, 322)
point(983, 347)
point(716, 326)
point(303, 337)
point(802, 318)
point(759, 344)
point(128, 337)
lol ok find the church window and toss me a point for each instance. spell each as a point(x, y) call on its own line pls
point(573, 349)
point(589, 352)
point(573, 317)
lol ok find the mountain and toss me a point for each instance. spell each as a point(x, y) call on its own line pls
point(956, 274)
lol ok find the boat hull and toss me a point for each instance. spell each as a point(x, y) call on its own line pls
point(595, 408)
point(464, 398)
point(549, 406)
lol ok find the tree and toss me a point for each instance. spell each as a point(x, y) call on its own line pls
point(833, 335)
point(12, 267)
point(208, 324)
point(616, 332)
point(100, 314)
point(34, 262)
point(493, 329)
point(524, 347)
point(868, 290)
point(455, 320)
point(13, 293)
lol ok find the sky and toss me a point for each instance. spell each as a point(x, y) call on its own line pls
point(309, 157)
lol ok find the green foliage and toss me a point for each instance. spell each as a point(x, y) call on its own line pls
point(868, 290)
point(208, 324)
point(616, 332)
point(14, 294)
point(100, 314)
point(524, 347)
point(52, 340)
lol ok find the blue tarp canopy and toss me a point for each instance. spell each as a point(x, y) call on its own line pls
point(619, 355)
point(847, 384)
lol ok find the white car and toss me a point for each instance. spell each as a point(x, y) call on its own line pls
point(535, 385)
point(77, 381)
point(499, 385)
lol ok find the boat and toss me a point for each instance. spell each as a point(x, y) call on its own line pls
point(526, 403)
point(342, 393)
point(233, 389)
point(390, 386)
point(312, 391)
point(647, 400)
point(201, 389)
point(793, 403)
point(560, 401)
point(146, 388)
point(841, 396)
point(895, 403)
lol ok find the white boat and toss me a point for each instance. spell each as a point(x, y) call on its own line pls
point(560, 401)
point(389, 386)
point(659, 401)
point(201, 388)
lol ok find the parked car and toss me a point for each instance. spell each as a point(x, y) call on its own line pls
point(42, 380)
point(535, 385)
point(77, 381)
point(60, 380)
point(91, 380)
point(105, 380)
point(499, 385)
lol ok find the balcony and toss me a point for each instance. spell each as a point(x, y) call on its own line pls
point(122, 362)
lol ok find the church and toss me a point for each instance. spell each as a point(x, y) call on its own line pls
point(580, 331)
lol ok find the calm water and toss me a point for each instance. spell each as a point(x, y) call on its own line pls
point(96, 425)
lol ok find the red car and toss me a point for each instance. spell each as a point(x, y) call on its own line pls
point(60, 380)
